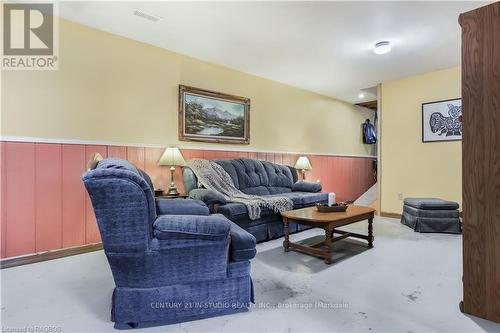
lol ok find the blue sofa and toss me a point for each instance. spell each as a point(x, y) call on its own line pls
point(171, 260)
point(258, 178)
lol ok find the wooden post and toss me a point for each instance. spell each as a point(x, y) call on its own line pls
point(328, 245)
point(286, 242)
point(370, 232)
point(481, 161)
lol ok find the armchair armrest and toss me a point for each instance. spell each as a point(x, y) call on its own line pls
point(181, 207)
point(209, 197)
point(303, 186)
point(212, 227)
point(242, 246)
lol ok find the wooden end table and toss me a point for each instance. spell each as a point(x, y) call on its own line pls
point(329, 222)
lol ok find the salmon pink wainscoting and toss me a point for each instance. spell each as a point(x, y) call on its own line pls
point(45, 205)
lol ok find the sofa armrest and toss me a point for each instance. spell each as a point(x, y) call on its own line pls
point(212, 227)
point(304, 186)
point(209, 197)
point(181, 207)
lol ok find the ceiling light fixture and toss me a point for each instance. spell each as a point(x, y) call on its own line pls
point(361, 95)
point(382, 47)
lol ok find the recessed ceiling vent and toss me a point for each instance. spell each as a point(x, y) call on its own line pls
point(149, 17)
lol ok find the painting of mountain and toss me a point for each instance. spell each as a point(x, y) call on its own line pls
point(219, 118)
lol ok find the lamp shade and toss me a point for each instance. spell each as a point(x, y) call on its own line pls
point(303, 163)
point(172, 156)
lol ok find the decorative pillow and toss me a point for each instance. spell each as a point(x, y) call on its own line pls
point(304, 186)
point(207, 196)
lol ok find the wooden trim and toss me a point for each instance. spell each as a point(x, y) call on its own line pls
point(49, 255)
point(209, 147)
point(391, 215)
point(379, 146)
point(372, 105)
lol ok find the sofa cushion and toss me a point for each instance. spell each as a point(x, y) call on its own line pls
point(295, 175)
point(308, 198)
point(228, 166)
point(256, 190)
point(190, 180)
point(430, 203)
point(209, 197)
point(254, 176)
point(236, 211)
point(213, 227)
point(279, 175)
point(295, 197)
point(304, 198)
point(251, 176)
point(304, 186)
point(181, 207)
point(278, 189)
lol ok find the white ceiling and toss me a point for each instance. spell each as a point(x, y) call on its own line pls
point(324, 47)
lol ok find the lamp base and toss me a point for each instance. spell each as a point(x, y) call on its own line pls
point(172, 191)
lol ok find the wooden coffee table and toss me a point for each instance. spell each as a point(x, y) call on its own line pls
point(328, 222)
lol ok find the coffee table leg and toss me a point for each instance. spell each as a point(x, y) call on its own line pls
point(328, 246)
point(286, 242)
point(370, 232)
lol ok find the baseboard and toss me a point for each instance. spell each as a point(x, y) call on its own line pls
point(391, 215)
point(49, 255)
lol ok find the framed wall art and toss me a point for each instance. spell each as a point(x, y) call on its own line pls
point(210, 116)
point(442, 120)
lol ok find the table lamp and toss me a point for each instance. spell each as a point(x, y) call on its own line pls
point(172, 157)
point(303, 164)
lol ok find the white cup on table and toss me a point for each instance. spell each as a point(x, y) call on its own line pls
point(331, 199)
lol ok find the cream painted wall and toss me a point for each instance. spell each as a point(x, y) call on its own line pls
point(407, 165)
point(110, 88)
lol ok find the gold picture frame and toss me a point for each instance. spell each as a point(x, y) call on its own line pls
point(210, 116)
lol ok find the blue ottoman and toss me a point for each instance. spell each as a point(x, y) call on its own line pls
point(431, 215)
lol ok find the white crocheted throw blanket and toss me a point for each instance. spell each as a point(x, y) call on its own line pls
point(213, 177)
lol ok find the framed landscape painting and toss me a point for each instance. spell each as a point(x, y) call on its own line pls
point(442, 120)
point(211, 116)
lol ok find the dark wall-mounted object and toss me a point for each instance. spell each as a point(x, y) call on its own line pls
point(481, 161)
point(369, 133)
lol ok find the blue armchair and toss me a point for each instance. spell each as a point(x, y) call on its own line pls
point(171, 260)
